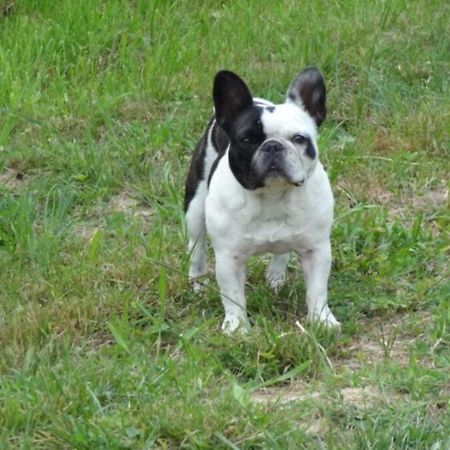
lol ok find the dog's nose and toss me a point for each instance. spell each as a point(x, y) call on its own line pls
point(272, 147)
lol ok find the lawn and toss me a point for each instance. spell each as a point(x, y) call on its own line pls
point(102, 343)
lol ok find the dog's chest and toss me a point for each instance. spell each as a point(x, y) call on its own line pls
point(273, 225)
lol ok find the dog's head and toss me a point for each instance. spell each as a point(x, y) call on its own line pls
point(271, 144)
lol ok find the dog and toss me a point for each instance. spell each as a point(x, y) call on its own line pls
point(255, 185)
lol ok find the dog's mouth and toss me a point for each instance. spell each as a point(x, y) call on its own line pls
point(274, 172)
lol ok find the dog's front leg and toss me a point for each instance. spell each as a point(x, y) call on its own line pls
point(231, 275)
point(316, 264)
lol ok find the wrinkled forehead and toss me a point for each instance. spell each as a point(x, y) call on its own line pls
point(285, 120)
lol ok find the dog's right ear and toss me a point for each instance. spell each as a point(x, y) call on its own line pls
point(231, 97)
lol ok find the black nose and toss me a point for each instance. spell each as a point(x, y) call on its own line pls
point(272, 147)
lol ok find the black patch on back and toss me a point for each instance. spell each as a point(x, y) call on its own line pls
point(271, 109)
point(220, 141)
point(196, 169)
point(310, 150)
point(196, 173)
point(213, 168)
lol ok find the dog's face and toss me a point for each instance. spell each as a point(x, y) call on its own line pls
point(271, 144)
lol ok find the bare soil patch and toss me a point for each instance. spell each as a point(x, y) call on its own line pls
point(380, 341)
point(125, 202)
point(398, 206)
point(14, 180)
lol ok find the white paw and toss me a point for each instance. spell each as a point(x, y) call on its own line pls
point(325, 317)
point(275, 279)
point(196, 285)
point(276, 272)
point(232, 324)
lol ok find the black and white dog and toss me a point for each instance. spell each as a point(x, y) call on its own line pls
point(256, 185)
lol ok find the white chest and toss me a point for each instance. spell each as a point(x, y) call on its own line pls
point(276, 221)
point(272, 226)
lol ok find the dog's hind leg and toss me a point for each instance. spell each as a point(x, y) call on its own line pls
point(276, 272)
point(196, 229)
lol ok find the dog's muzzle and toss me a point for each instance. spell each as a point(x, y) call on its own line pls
point(272, 155)
point(272, 160)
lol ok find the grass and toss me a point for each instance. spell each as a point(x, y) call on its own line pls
point(102, 343)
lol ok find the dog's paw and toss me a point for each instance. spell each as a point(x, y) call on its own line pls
point(235, 324)
point(275, 279)
point(196, 285)
point(276, 272)
point(324, 317)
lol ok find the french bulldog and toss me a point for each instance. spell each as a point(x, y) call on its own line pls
point(255, 186)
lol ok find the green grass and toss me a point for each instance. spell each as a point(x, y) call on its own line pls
point(102, 343)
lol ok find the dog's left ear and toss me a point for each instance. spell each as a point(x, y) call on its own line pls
point(309, 92)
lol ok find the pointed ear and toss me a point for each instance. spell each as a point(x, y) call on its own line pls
point(309, 92)
point(231, 97)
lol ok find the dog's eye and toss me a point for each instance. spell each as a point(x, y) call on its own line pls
point(299, 139)
point(248, 140)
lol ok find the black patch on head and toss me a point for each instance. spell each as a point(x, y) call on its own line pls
point(246, 135)
point(240, 118)
point(310, 150)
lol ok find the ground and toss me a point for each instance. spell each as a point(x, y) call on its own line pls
point(103, 344)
